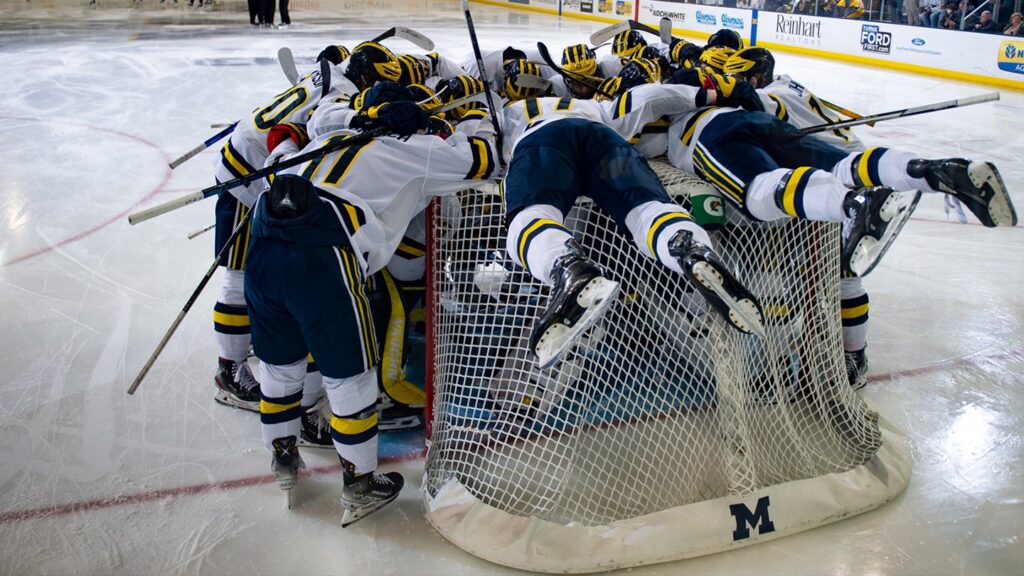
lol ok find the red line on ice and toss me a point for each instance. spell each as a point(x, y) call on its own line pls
point(116, 217)
point(100, 503)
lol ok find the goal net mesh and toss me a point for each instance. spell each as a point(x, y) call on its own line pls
point(661, 405)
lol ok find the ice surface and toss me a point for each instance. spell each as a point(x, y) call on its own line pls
point(92, 481)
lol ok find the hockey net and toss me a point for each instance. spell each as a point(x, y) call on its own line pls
point(664, 434)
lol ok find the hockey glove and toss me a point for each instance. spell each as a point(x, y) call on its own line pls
point(686, 76)
point(332, 54)
point(401, 118)
point(387, 91)
point(737, 93)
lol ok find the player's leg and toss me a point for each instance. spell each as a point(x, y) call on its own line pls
point(622, 183)
point(236, 385)
point(541, 186)
point(316, 425)
point(854, 309)
point(976, 184)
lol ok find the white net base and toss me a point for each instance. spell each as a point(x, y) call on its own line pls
point(656, 433)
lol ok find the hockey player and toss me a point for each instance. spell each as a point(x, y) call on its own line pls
point(245, 150)
point(793, 103)
point(562, 149)
point(323, 227)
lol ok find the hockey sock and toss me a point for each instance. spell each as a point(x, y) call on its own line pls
point(854, 309)
point(805, 193)
point(280, 400)
point(312, 384)
point(354, 421)
point(879, 167)
point(536, 238)
point(231, 318)
point(653, 224)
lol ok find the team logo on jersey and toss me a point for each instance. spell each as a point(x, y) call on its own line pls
point(1011, 57)
point(873, 39)
point(745, 519)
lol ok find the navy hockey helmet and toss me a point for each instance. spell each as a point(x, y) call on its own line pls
point(370, 63)
point(752, 63)
point(725, 37)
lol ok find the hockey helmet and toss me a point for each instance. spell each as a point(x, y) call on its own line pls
point(626, 43)
point(715, 58)
point(414, 70)
point(459, 87)
point(637, 72)
point(424, 95)
point(335, 54)
point(609, 88)
point(725, 37)
point(579, 58)
point(751, 63)
point(513, 89)
point(370, 63)
point(438, 126)
point(386, 91)
point(652, 54)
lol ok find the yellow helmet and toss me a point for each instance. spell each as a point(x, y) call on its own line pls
point(609, 88)
point(414, 70)
point(459, 87)
point(513, 90)
point(625, 43)
point(370, 62)
point(579, 58)
point(751, 62)
point(716, 57)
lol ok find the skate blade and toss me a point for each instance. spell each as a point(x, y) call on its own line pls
point(1000, 207)
point(350, 516)
point(743, 314)
point(228, 399)
point(896, 212)
point(410, 423)
point(303, 443)
point(597, 297)
point(288, 497)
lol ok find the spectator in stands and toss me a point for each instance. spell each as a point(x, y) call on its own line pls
point(951, 18)
point(1015, 28)
point(986, 24)
point(931, 13)
point(912, 8)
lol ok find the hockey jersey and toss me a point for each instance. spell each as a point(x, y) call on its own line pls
point(790, 102)
point(378, 187)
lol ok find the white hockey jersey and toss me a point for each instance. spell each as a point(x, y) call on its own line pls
point(246, 149)
point(380, 186)
point(791, 102)
point(627, 114)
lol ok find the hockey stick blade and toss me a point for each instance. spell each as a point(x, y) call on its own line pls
point(665, 30)
point(605, 34)
point(209, 142)
point(384, 36)
point(531, 81)
point(414, 37)
point(287, 61)
point(959, 103)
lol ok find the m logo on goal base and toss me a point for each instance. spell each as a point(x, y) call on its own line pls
point(757, 519)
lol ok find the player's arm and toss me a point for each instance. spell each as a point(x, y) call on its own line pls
point(331, 115)
point(636, 108)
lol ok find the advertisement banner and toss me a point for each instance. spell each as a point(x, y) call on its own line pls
point(699, 19)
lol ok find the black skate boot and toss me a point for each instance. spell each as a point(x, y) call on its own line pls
point(716, 284)
point(236, 386)
point(364, 494)
point(286, 464)
point(857, 368)
point(876, 216)
point(580, 296)
point(316, 428)
point(977, 185)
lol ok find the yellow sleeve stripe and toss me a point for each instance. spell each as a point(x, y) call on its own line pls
point(848, 313)
point(483, 162)
point(235, 160)
point(780, 111)
point(272, 408)
point(352, 426)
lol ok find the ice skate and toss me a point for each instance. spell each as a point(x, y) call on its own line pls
point(719, 287)
point(876, 216)
point(977, 185)
point(365, 494)
point(236, 386)
point(400, 417)
point(579, 298)
point(857, 368)
point(316, 428)
point(286, 464)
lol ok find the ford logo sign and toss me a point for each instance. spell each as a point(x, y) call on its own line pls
point(917, 41)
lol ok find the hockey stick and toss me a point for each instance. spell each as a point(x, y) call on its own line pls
point(325, 78)
point(959, 103)
point(284, 56)
point(183, 201)
point(843, 111)
point(191, 300)
point(575, 77)
point(209, 142)
point(531, 81)
point(605, 34)
point(220, 125)
point(483, 77)
point(406, 34)
point(201, 231)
